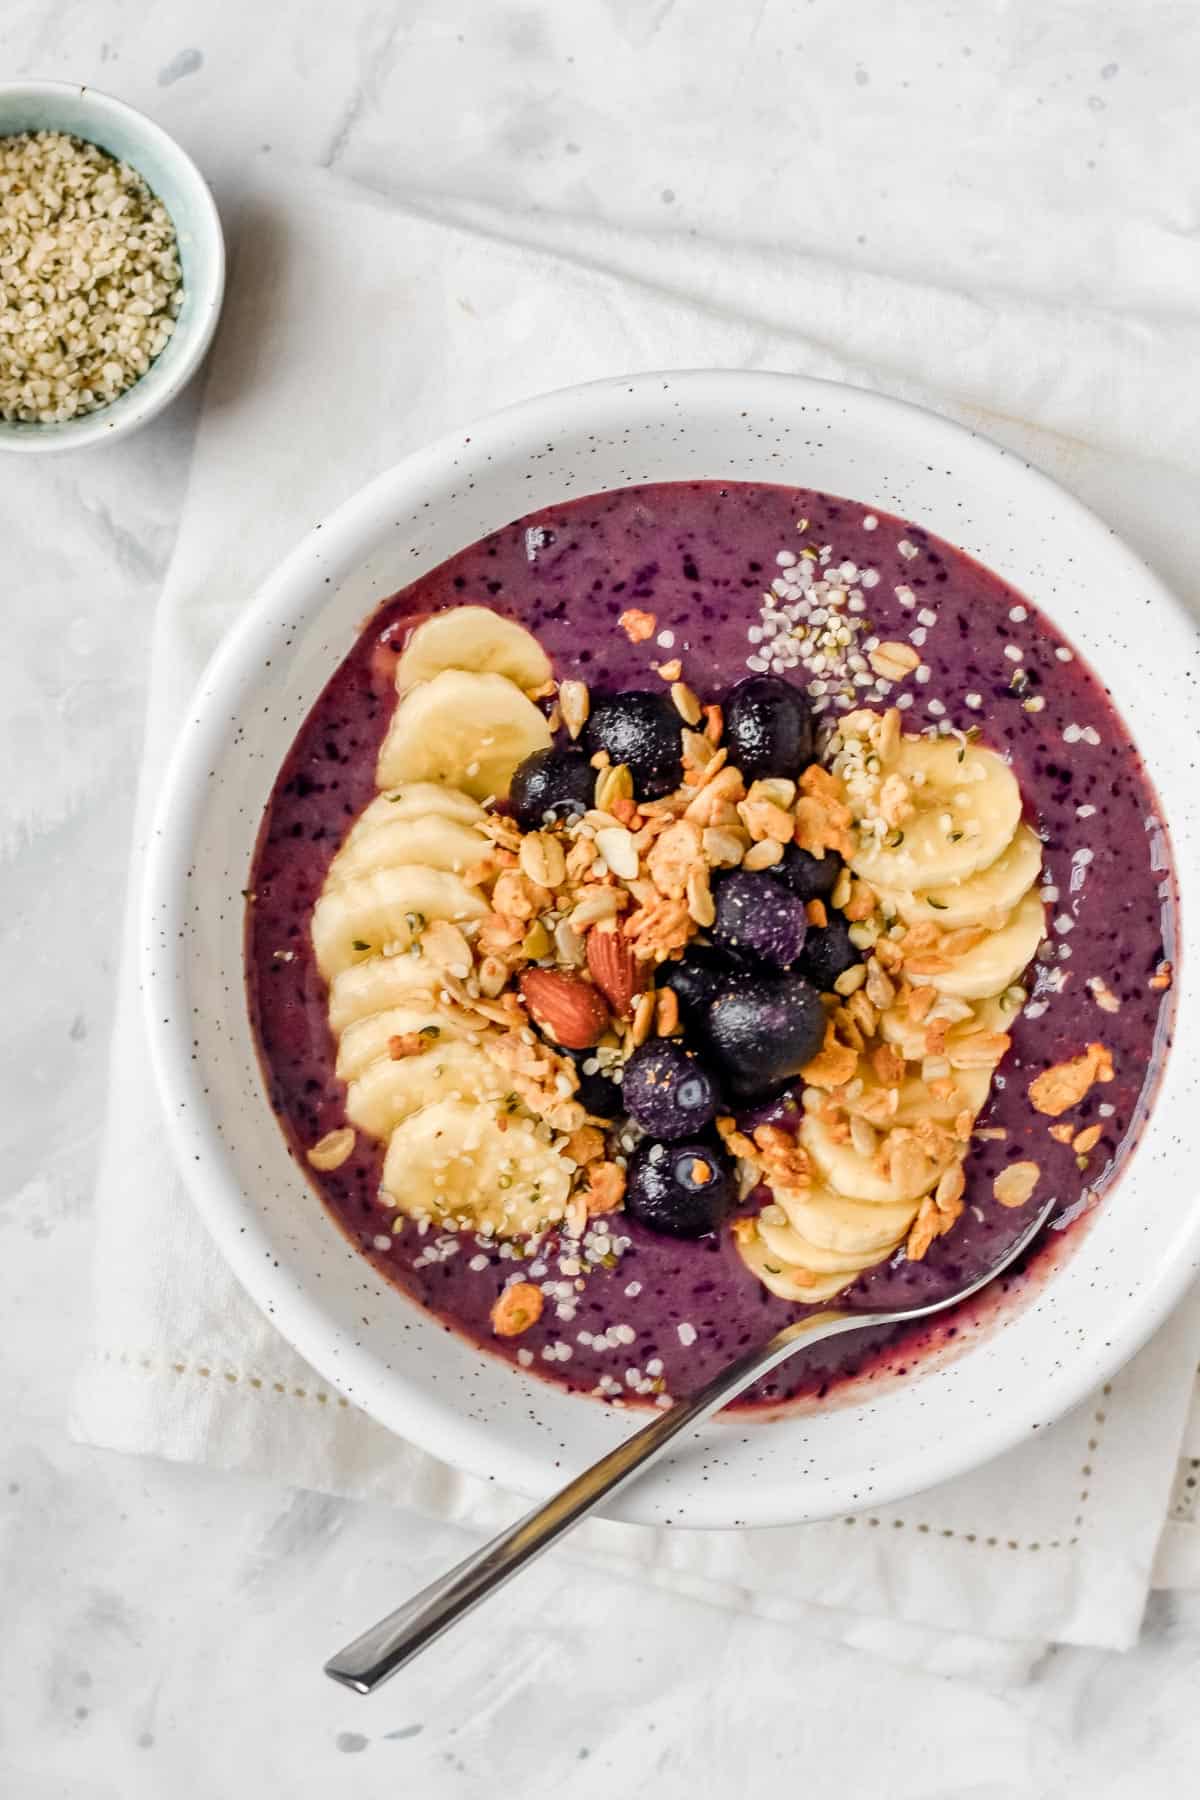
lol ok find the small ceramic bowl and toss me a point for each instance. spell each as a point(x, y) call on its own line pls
point(83, 112)
point(1103, 1290)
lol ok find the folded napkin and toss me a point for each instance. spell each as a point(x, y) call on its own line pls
point(355, 329)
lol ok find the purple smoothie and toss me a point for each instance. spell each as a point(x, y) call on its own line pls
point(699, 556)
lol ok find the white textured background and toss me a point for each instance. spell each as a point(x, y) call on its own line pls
point(161, 1630)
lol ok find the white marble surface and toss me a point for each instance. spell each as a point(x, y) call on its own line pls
point(163, 1628)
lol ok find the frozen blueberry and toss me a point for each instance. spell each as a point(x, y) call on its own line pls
point(667, 1090)
point(696, 978)
point(807, 876)
point(782, 1109)
point(686, 1190)
point(761, 1029)
point(551, 784)
point(643, 730)
point(596, 1093)
point(760, 917)
point(768, 727)
point(828, 953)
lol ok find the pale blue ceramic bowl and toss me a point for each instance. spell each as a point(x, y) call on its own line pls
point(174, 177)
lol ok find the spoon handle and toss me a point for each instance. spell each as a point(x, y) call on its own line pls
point(394, 1641)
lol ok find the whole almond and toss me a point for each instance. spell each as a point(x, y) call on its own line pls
point(569, 1010)
point(614, 968)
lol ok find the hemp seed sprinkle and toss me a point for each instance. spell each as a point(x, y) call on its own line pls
point(812, 618)
point(90, 282)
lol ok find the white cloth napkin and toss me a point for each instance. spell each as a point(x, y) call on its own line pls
point(356, 328)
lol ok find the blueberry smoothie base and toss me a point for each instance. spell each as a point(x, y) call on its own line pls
point(700, 557)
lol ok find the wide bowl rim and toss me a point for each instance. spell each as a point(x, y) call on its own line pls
point(145, 399)
point(400, 1406)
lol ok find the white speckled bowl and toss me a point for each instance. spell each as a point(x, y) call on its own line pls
point(84, 112)
point(1102, 1299)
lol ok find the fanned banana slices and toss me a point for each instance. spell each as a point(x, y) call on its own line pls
point(811, 1242)
point(463, 729)
point(464, 719)
point(416, 1074)
point(954, 871)
point(985, 898)
point(476, 639)
point(940, 837)
point(959, 812)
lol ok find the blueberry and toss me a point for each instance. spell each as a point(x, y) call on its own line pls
point(686, 1190)
point(807, 876)
point(768, 727)
point(696, 978)
point(782, 1109)
point(551, 784)
point(761, 1029)
point(643, 730)
point(760, 917)
point(667, 1090)
point(828, 953)
point(596, 1093)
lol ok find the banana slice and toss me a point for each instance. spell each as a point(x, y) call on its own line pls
point(854, 1227)
point(387, 1092)
point(415, 800)
point(452, 1162)
point(465, 729)
point(379, 983)
point(786, 1244)
point(472, 637)
point(386, 907)
point(908, 1035)
point(857, 1177)
point(983, 899)
point(1000, 960)
point(435, 842)
point(967, 807)
point(970, 1092)
point(785, 1281)
point(367, 1039)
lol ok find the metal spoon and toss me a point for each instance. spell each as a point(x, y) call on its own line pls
point(367, 1662)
